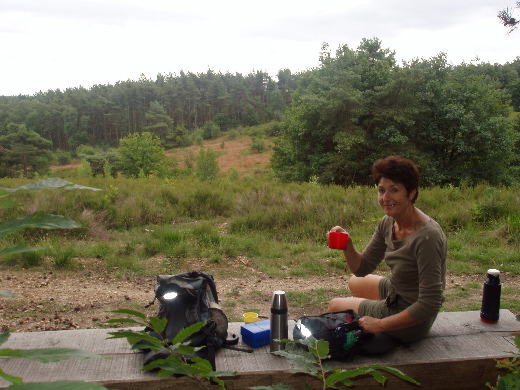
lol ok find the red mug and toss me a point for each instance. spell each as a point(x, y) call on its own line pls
point(338, 240)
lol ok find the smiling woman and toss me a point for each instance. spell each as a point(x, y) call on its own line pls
point(412, 245)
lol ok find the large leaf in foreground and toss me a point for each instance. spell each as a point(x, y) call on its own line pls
point(49, 183)
point(18, 249)
point(38, 220)
point(48, 355)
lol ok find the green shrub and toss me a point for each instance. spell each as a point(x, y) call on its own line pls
point(204, 203)
point(26, 259)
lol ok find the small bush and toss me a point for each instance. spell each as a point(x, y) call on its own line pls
point(30, 259)
point(63, 157)
point(258, 145)
point(62, 255)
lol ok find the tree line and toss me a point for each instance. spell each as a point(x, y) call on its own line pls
point(457, 121)
point(171, 106)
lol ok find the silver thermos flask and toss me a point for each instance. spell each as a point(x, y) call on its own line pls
point(279, 321)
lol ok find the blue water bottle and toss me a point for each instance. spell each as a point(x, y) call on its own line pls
point(491, 297)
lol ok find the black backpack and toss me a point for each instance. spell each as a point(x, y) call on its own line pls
point(185, 299)
point(344, 334)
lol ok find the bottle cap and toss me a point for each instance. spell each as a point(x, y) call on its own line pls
point(279, 301)
point(493, 272)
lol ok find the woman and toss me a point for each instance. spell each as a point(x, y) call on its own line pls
point(412, 245)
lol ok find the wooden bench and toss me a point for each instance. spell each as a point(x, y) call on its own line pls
point(459, 353)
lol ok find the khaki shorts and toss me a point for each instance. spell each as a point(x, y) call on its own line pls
point(392, 305)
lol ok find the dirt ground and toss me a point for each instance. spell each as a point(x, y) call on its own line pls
point(49, 299)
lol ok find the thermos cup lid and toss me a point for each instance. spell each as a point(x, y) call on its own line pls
point(279, 301)
point(493, 272)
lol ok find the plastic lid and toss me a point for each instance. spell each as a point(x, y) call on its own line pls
point(493, 272)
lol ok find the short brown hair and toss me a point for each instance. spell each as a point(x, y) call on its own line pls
point(398, 169)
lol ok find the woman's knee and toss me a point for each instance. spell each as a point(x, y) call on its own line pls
point(334, 305)
point(365, 287)
point(341, 304)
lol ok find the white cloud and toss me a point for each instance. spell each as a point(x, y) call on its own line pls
point(59, 44)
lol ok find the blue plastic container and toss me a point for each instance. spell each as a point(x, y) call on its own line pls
point(256, 334)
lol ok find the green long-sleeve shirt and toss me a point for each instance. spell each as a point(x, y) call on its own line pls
point(418, 265)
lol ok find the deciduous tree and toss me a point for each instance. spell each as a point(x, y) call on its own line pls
point(142, 153)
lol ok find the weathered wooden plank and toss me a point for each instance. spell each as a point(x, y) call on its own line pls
point(458, 345)
point(468, 322)
point(92, 340)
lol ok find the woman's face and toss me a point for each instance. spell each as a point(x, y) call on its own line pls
point(393, 197)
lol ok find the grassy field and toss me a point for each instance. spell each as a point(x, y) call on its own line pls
point(274, 224)
point(277, 229)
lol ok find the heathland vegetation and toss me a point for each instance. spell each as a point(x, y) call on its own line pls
point(458, 122)
point(164, 194)
point(280, 228)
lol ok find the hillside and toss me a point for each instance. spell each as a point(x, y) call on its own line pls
point(232, 153)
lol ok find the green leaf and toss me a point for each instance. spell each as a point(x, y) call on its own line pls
point(141, 338)
point(158, 324)
point(18, 249)
point(396, 372)
point(12, 379)
point(38, 220)
point(219, 382)
point(170, 365)
point(49, 183)
point(185, 349)
point(380, 378)
point(131, 338)
point(272, 387)
point(344, 376)
point(187, 332)
point(48, 355)
point(62, 385)
point(203, 365)
point(322, 347)
point(131, 312)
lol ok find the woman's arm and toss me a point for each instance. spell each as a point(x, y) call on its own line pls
point(398, 321)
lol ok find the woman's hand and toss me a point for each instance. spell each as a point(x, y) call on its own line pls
point(337, 229)
point(371, 325)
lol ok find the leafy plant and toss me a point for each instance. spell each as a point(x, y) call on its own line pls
point(512, 379)
point(180, 356)
point(207, 165)
point(46, 355)
point(311, 360)
point(142, 152)
point(37, 219)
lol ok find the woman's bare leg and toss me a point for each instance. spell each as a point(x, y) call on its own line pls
point(340, 304)
point(362, 288)
point(365, 287)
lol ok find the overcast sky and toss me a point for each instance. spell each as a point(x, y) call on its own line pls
point(51, 44)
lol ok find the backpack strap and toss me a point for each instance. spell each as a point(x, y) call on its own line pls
point(211, 348)
point(210, 281)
